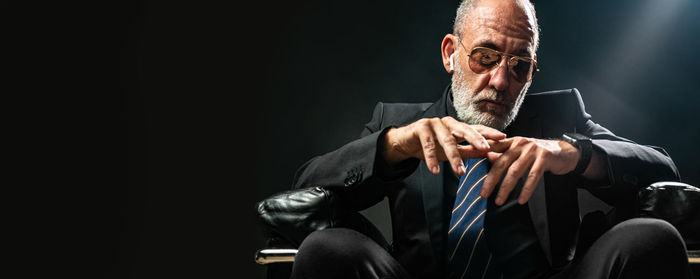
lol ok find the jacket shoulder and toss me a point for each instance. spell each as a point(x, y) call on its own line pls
point(395, 114)
point(556, 102)
point(571, 94)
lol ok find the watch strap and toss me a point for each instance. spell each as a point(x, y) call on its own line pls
point(585, 147)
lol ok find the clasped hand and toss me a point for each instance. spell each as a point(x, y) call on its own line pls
point(446, 139)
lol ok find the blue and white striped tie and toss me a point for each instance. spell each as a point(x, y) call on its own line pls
point(469, 256)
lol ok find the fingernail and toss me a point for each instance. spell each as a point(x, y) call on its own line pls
point(499, 201)
point(463, 169)
point(436, 169)
point(486, 144)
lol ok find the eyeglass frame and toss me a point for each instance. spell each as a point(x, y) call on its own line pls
point(502, 54)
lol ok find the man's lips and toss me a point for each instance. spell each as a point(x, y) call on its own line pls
point(493, 105)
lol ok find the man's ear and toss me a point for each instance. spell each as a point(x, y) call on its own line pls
point(447, 49)
point(535, 64)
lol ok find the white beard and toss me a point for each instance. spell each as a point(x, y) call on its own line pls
point(466, 103)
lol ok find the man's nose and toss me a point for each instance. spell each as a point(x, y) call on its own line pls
point(499, 76)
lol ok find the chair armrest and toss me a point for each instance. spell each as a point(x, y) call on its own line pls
point(268, 256)
point(694, 256)
point(293, 215)
point(677, 203)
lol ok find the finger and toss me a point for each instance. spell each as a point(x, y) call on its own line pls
point(489, 133)
point(485, 131)
point(427, 141)
point(533, 178)
point(498, 167)
point(515, 171)
point(493, 156)
point(473, 137)
point(466, 132)
point(501, 145)
point(449, 146)
point(470, 152)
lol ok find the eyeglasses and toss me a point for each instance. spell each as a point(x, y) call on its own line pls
point(483, 60)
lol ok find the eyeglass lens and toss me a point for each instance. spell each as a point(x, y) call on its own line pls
point(483, 60)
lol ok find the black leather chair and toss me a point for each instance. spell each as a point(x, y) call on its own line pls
point(679, 204)
point(290, 216)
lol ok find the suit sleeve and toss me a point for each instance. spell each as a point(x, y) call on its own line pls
point(356, 171)
point(630, 166)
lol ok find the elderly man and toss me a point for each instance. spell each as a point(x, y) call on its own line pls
point(483, 182)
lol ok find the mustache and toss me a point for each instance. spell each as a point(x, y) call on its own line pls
point(492, 95)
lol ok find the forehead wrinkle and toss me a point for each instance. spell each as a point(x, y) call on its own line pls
point(504, 42)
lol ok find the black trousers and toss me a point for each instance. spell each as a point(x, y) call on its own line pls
point(636, 248)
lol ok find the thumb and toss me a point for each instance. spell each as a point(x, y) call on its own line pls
point(493, 156)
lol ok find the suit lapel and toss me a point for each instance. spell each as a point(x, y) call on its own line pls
point(433, 201)
point(432, 188)
point(538, 213)
point(528, 124)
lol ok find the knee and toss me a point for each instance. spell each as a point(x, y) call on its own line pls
point(333, 245)
point(343, 253)
point(649, 237)
point(649, 229)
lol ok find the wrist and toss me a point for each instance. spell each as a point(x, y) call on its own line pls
point(572, 155)
point(584, 147)
point(390, 153)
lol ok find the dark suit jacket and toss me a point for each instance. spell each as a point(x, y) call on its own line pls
point(420, 206)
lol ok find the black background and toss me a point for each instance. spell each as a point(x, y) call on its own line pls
point(191, 112)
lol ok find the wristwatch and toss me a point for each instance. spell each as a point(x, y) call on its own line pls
point(585, 148)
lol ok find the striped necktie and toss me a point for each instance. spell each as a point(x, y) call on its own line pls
point(469, 256)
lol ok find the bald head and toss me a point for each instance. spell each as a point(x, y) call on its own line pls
point(520, 11)
point(490, 97)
